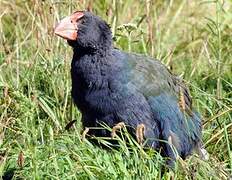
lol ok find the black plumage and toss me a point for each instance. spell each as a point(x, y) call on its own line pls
point(111, 86)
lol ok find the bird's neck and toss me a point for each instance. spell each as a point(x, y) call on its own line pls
point(92, 69)
point(102, 47)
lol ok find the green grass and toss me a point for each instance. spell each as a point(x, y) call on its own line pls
point(193, 38)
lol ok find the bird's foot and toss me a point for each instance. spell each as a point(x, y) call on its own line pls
point(117, 127)
point(140, 132)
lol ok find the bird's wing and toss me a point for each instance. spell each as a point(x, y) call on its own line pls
point(168, 97)
point(152, 78)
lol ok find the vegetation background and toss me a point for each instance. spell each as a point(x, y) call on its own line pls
point(193, 38)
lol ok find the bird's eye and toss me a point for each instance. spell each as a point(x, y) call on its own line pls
point(80, 21)
point(71, 21)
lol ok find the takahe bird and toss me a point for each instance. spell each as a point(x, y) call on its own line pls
point(113, 87)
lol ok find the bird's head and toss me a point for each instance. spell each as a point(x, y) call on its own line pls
point(85, 31)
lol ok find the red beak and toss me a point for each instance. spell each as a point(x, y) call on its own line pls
point(67, 28)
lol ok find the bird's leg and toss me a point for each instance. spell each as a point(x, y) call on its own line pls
point(140, 132)
point(117, 127)
point(85, 133)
